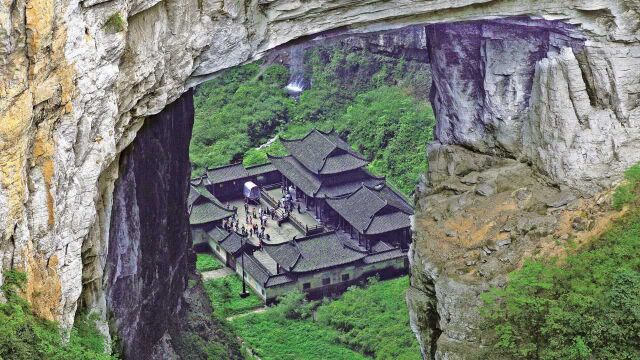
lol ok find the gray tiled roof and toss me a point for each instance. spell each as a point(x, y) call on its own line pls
point(231, 242)
point(298, 174)
point(385, 255)
point(206, 212)
point(261, 273)
point(217, 234)
point(279, 280)
point(260, 169)
point(313, 253)
point(252, 266)
point(373, 210)
point(381, 246)
point(352, 182)
point(226, 173)
point(236, 172)
point(204, 207)
point(193, 196)
point(324, 153)
point(328, 186)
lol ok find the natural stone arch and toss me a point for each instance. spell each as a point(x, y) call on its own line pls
point(76, 90)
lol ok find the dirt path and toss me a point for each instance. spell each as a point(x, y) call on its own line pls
point(254, 311)
point(216, 274)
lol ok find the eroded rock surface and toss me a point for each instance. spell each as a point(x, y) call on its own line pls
point(470, 238)
point(78, 78)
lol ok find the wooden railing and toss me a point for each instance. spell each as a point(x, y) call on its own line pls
point(305, 229)
point(268, 198)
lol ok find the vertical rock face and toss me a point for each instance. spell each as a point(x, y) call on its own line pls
point(484, 72)
point(539, 91)
point(78, 78)
point(532, 119)
point(149, 242)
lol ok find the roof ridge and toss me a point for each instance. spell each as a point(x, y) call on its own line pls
point(223, 166)
point(370, 222)
point(269, 156)
point(297, 260)
point(349, 149)
point(225, 238)
point(302, 138)
point(333, 129)
point(324, 160)
point(256, 165)
point(313, 236)
point(259, 264)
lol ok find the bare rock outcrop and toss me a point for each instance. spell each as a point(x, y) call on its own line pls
point(78, 78)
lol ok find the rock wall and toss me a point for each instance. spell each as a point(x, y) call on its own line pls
point(78, 78)
point(539, 91)
point(149, 252)
point(529, 136)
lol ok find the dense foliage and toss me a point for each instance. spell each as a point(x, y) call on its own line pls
point(237, 111)
point(207, 262)
point(586, 306)
point(393, 129)
point(364, 322)
point(377, 103)
point(225, 296)
point(374, 320)
point(25, 336)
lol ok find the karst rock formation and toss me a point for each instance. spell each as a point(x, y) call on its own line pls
point(537, 105)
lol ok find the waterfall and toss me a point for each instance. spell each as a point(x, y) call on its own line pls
point(296, 68)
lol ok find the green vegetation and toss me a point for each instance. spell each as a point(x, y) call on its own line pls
point(374, 320)
point(625, 193)
point(25, 336)
point(377, 103)
point(237, 111)
point(586, 306)
point(364, 322)
point(225, 296)
point(393, 129)
point(115, 23)
point(207, 262)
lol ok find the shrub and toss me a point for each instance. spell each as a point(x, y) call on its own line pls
point(115, 23)
point(373, 320)
point(295, 306)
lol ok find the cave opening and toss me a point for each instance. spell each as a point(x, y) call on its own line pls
point(380, 92)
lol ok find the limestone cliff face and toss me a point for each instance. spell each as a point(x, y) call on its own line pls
point(150, 227)
point(78, 78)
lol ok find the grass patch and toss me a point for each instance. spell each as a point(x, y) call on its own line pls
point(207, 262)
point(364, 322)
point(225, 296)
point(374, 320)
point(583, 308)
point(275, 338)
point(25, 336)
point(626, 192)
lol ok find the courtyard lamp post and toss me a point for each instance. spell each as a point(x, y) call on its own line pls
point(244, 292)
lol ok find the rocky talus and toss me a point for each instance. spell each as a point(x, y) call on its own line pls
point(551, 86)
